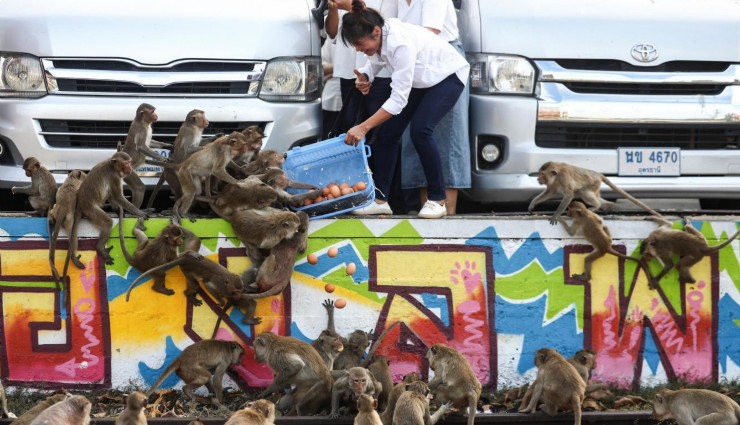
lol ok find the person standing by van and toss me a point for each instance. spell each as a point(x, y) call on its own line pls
point(451, 134)
point(427, 77)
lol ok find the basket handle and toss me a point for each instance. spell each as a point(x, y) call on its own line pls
point(368, 151)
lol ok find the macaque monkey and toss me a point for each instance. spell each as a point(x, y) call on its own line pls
point(30, 415)
point(263, 161)
point(3, 403)
point(295, 363)
point(689, 244)
point(558, 385)
point(695, 406)
point(597, 234)
point(454, 380)
point(329, 343)
point(186, 142)
point(262, 230)
point(133, 414)
point(62, 214)
point(278, 181)
point(571, 182)
point(387, 416)
point(354, 350)
point(412, 407)
point(201, 165)
point(258, 412)
point(250, 193)
point(43, 188)
point(137, 146)
point(103, 183)
point(254, 135)
point(203, 363)
point(73, 410)
point(584, 361)
point(152, 253)
point(380, 368)
point(367, 413)
point(348, 387)
point(196, 421)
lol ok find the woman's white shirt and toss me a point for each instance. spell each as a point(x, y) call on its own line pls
point(437, 14)
point(417, 58)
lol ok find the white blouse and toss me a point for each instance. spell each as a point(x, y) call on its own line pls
point(417, 58)
point(437, 14)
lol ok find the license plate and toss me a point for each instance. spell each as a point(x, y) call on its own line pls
point(147, 170)
point(649, 162)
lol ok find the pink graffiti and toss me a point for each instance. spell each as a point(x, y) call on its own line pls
point(470, 344)
point(470, 277)
point(695, 299)
point(666, 330)
point(88, 276)
point(610, 338)
point(86, 317)
point(253, 379)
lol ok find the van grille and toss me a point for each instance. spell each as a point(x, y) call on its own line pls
point(598, 136)
point(646, 89)
point(84, 134)
point(124, 77)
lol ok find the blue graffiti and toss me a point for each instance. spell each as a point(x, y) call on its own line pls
point(24, 227)
point(728, 332)
point(527, 320)
point(150, 374)
point(347, 254)
point(533, 249)
point(650, 352)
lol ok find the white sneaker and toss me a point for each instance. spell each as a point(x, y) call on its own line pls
point(432, 209)
point(374, 208)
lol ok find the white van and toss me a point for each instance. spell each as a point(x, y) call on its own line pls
point(73, 72)
point(644, 91)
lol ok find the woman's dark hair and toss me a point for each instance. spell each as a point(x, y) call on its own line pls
point(360, 22)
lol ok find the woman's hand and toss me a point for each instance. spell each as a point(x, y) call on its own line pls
point(355, 134)
point(361, 83)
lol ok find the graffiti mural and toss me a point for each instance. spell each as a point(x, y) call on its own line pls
point(496, 289)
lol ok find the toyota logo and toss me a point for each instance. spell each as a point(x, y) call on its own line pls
point(644, 52)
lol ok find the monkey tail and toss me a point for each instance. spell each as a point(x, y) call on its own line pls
point(171, 368)
point(53, 234)
point(630, 197)
point(72, 241)
point(166, 266)
point(275, 290)
point(173, 165)
point(160, 182)
point(126, 254)
point(376, 344)
point(221, 314)
point(576, 403)
point(716, 248)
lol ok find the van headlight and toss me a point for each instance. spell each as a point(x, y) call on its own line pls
point(501, 74)
point(21, 75)
point(292, 79)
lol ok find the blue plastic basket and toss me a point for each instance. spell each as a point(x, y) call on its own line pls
point(331, 161)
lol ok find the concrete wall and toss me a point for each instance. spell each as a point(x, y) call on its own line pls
point(492, 287)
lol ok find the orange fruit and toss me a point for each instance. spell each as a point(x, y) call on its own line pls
point(312, 259)
point(329, 288)
point(333, 251)
point(340, 303)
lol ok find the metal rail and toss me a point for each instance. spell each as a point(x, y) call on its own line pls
point(593, 418)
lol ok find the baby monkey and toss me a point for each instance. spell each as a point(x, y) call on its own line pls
point(258, 412)
point(133, 414)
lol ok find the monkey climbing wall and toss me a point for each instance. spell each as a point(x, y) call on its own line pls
point(495, 288)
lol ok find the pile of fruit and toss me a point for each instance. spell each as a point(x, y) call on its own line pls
point(333, 190)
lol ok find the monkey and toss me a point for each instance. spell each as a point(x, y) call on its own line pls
point(73, 410)
point(689, 244)
point(412, 407)
point(151, 253)
point(278, 181)
point(295, 363)
point(584, 361)
point(263, 161)
point(220, 282)
point(379, 367)
point(3, 403)
point(695, 406)
point(348, 387)
point(62, 214)
point(387, 416)
point(262, 230)
point(133, 414)
point(209, 161)
point(367, 413)
point(570, 182)
point(254, 135)
point(137, 146)
point(558, 384)
point(250, 193)
point(597, 234)
point(103, 183)
point(186, 142)
point(30, 414)
point(454, 380)
point(42, 190)
point(203, 363)
point(258, 412)
point(354, 350)
point(196, 421)
point(329, 343)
